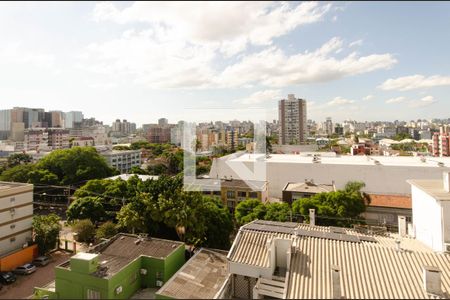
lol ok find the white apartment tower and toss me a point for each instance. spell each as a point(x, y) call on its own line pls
point(292, 117)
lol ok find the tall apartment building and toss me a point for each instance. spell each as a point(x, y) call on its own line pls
point(158, 134)
point(5, 124)
point(328, 126)
point(123, 127)
point(46, 139)
point(73, 119)
point(441, 142)
point(16, 215)
point(292, 116)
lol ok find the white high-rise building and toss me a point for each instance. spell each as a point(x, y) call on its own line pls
point(72, 117)
point(292, 116)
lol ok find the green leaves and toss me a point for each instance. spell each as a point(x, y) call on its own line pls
point(86, 208)
point(46, 230)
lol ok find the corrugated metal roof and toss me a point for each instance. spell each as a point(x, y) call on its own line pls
point(368, 270)
point(201, 277)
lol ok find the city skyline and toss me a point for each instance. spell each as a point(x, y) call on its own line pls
point(143, 61)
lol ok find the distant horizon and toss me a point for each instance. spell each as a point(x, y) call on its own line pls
point(140, 61)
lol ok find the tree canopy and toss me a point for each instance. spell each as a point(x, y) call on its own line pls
point(46, 231)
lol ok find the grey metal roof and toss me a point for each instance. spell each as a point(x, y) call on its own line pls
point(370, 268)
point(201, 277)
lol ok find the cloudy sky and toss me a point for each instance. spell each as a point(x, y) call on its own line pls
point(142, 61)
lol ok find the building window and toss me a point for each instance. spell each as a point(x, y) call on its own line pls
point(216, 193)
point(253, 195)
point(12, 226)
point(230, 204)
point(231, 195)
point(13, 239)
point(12, 200)
point(92, 294)
point(242, 194)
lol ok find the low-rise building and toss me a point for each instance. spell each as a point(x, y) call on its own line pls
point(116, 269)
point(233, 191)
point(284, 260)
point(16, 216)
point(385, 210)
point(123, 160)
point(204, 276)
point(296, 190)
point(431, 212)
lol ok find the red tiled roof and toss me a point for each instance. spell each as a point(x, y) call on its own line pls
point(396, 201)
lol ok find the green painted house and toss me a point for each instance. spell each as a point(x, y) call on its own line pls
point(116, 269)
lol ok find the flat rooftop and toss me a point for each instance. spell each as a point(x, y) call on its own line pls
point(404, 161)
point(128, 176)
point(308, 187)
point(123, 249)
point(231, 183)
point(434, 188)
point(12, 188)
point(201, 277)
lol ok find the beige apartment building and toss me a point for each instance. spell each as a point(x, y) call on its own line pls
point(16, 215)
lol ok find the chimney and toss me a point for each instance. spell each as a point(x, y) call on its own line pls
point(402, 226)
point(447, 181)
point(336, 282)
point(432, 280)
point(312, 216)
point(334, 185)
point(397, 242)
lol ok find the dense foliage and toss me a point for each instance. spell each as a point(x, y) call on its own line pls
point(85, 230)
point(46, 231)
point(340, 208)
point(106, 230)
point(158, 207)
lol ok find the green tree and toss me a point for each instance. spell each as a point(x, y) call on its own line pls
point(278, 211)
point(138, 170)
point(86, 208)
point(106, 230)
point(19, 173)
point(76, 165)
point(131, 218)
point(46, 231)
point(249, 210)
point(18, 159)
point(85, 230)
point(219, 224)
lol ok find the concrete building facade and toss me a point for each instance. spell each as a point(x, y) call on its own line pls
point(16, 215)
point(123, 160)
point(293, 120)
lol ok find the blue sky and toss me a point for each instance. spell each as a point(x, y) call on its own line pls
point(143, 61)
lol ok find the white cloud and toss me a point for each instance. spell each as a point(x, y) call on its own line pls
point(423, 102)
point(368, 97)
point(340, 101)
point(15, 53)
point(230, 26)
point(395, 100)
point(356, 43)
point(271, 67)
point(158, 60)
point(261, 97)
point(407, 83)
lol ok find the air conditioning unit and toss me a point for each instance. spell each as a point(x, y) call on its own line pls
point(118, 290)
point(159, 283)
point(143, 271)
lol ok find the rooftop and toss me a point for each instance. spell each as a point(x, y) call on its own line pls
point(404, 161)
point(434, 188)
point(397, 201)
point(231, 183)
point(124, 248)
point(12, 188)
point(202, 277)
point(308, 187)
point(371, 266)
point(128, 176)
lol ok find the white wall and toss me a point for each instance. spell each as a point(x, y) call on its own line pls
point(427, 219)
point(446, 220)
point(378, 178)
point(19, 212)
